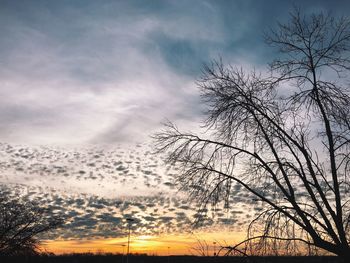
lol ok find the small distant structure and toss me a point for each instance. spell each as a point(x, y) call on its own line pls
point(123, 246)
point(130, 221)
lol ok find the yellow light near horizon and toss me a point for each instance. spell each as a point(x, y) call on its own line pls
point(174, 244)
point(145, 237)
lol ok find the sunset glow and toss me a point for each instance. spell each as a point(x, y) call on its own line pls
point(175, 244)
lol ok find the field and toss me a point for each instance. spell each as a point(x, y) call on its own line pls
point(163, 259)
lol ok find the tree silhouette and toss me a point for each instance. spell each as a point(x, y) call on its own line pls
point(284, 137)
point(21, 223)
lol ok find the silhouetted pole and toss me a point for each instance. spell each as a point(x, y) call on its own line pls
point(123, 252)
point(214, 243)
point(168, 255)
point(129, 220)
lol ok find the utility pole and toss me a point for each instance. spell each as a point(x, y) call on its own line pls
point(123, 252)
point(129, 220)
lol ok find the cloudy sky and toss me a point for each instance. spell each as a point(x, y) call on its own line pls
point(77, 72)
point(83, 84)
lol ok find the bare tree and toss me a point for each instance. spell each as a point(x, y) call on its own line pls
point(20, 225)
point(201, 248)
point(284, 137)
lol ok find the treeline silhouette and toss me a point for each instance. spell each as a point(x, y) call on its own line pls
point(115, 258)
point(21, 223)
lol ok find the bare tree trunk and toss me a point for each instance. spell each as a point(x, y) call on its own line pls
point(276, 139)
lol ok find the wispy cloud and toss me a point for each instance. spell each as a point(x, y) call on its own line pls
point(111, 71)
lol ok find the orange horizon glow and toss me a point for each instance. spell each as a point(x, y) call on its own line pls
point(163, 245)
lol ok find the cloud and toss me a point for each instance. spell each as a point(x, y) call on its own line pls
point(87, 72)
point(92, 80)
point(97, 202)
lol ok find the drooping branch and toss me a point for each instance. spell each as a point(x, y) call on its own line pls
point(289, 150)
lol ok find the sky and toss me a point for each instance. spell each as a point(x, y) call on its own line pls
point(83, 85)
